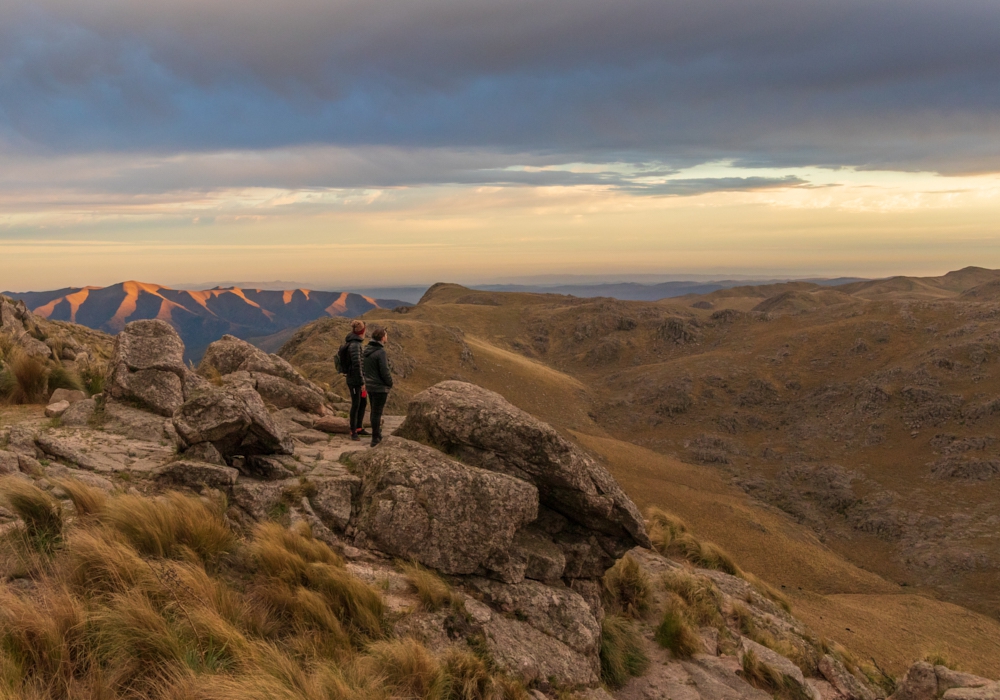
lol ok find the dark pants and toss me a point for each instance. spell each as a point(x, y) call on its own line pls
point(378, 400)
point(358, 404)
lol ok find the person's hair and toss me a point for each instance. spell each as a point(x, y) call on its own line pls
point(358, 326)
point(378, 333)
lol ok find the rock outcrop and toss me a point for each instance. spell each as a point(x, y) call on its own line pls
point(583, 510)
point(17, 322)
point(272, 377)
point(147, 367)
point(233, 419)
point(924, 681)
point(416, 502)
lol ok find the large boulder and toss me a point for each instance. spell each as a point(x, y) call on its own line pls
point(583, 508)
point(417, 503)
point(147, 367)
point(233, 418)
point(273, 378)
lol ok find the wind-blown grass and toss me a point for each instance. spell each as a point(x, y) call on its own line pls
point(156, 598)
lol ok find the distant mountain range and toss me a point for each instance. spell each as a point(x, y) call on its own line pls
point(200, 316)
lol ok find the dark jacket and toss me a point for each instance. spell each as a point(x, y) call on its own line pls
point(355, 377)
point(378, 378)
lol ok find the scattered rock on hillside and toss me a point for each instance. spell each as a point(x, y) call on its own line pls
point(196, 474)
point(276, 380)
point(593, 521)
point(55, 410)
point(68, 395)
point(17, 322)
point(334, 425)
point(9, 463)
point(80, 413)
point(843, 680)
point(416, 502)
point(233, 419)
point(926, 682)
point(147, 367)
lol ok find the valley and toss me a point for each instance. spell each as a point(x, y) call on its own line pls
point(856, 422)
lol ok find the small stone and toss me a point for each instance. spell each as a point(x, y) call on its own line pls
point(70, 395)
point(55, 410)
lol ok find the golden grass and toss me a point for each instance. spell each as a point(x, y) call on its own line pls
point(87, 500)
point(25, 378)
point(430, 588)
point(173, 607)
point(699, 595)
point(41, 514)
point(627, 588)
point(173, 525)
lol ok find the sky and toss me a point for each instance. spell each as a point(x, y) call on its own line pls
point(373, 143)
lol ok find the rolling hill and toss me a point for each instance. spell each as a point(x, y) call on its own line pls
point(842, 442)
point(200, 316)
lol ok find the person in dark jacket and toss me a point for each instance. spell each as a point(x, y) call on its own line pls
point(378, 379)
point(356, 379)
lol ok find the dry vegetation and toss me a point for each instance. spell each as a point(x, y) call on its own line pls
point(134, 597)
point(865, 413)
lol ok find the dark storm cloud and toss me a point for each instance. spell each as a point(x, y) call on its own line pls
point(873, 83)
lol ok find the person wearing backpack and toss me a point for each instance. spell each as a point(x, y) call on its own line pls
point(378, 378)
point(350, 360)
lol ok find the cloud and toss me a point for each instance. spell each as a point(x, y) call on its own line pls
point(908, 84)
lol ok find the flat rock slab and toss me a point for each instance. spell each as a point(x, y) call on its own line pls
point(74, 453)
point(197, 474)
point(55, 410)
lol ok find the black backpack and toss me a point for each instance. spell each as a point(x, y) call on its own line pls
point(343, 359)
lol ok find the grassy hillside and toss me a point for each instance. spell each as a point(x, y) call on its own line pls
point(159, 599)
point(838, 440)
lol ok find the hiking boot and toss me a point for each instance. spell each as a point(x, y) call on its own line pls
point(376, 442)
point(364, 433)
point(354, 436)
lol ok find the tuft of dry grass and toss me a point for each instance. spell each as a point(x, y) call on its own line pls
point(627, 589)
point(171, 608)
point(41, 514)
point(699, 595)
point(87, 500)
point(675, 632)
point(761, 675)
point(174, 525)
point(430, 588)
point(407, 668)
point(622, 655)
point(62, 378)
point(92, 375)
point(25, 378)
point(670, 537)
